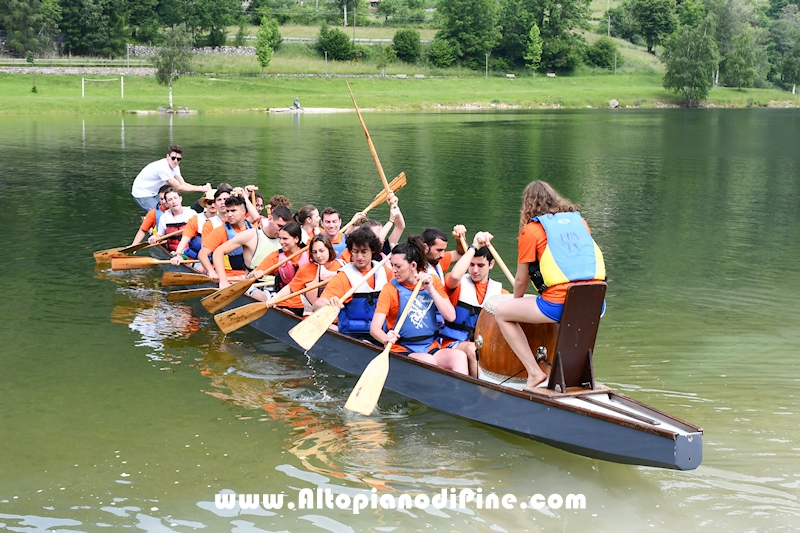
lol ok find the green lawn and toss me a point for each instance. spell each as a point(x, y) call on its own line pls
point(62, 94)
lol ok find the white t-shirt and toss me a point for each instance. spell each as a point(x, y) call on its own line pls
point(152, 178)
point(168, 218)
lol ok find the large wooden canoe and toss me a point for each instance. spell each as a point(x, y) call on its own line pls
point(598, 423)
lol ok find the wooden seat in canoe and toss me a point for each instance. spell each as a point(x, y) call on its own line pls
point(577, 332)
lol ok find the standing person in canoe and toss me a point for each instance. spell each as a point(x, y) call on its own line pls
point(323, 266)
point(555, 250)
point(417, 336)
point(290, 237)
point(158, 173)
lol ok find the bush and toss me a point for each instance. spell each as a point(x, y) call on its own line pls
point(561, 54)
point(441, 53)
point(406, 45)
point(602, 53)
point(336, 43)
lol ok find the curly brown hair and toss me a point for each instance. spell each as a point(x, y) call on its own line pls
point(540, 198)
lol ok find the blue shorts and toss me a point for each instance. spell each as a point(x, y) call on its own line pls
point(553, 311)
point(549, 309)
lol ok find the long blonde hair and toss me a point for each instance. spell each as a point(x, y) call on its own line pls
point(540, 198)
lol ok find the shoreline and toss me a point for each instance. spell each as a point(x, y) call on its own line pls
point(59, 91)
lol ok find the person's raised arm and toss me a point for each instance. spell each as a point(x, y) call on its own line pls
point(441, 302)
point(459, 231)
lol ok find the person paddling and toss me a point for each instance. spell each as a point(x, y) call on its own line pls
point(192, 239)
point(468, 285)
point(256, 243)
point(417, 336)
point(174, 219)
point(357, 311)
point(150, 222)
point(290, 237)
point(555, 250)
point(438, 259)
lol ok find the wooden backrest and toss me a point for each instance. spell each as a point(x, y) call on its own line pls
point(577, 332)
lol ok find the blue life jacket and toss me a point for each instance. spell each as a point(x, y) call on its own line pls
point(419, 329)
point(570, 255)
point(236, 257)
point(341, 246)
point(159, 212)
point(439, 273)
point(356, 316)
point(468, 309)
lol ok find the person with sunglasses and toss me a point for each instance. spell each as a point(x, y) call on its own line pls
point(158, 173)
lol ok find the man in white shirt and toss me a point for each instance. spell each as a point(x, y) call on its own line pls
point(156, 174)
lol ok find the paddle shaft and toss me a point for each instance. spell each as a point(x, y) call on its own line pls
point(407, 310)
point(302, 291)
point(369, 141)
point(364, 278)
point(500, 262)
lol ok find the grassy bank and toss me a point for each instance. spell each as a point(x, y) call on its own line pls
point(62, 94)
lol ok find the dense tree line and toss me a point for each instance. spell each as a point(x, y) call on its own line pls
point(708, 43)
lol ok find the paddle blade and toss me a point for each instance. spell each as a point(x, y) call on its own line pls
point(308, 332)
point(104, 256)
point(131, 263)
point(241, 316)
point(225, 296)
point(367, 391)
point(176, 279)
point(179, 296)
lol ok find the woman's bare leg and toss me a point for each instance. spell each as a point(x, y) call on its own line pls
point(509, 314)
point(451, 359)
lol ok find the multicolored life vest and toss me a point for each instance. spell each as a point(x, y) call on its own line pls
point(196, 242)
point(340, 246)
point(356, 316)
point(419, 330)
point(287, 271)
point(236, 257)
point(468, 309)
point(570, 255)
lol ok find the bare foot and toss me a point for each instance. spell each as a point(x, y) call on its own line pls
point(534, 381)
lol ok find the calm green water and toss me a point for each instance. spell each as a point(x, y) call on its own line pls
point(119, 409)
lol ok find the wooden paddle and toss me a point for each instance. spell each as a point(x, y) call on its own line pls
point(178, 296)
point(177, 279)
point(368, 389)
point(104, 256)
point(132, 263)
point(500, 262)
point(243, 315)
point(223, 297)
point(369, 141)
point(309, 331)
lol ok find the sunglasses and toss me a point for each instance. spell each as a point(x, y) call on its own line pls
point(175, 158)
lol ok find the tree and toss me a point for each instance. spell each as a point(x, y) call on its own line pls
point(623, 24)
point(406, 45)
point(267, 39)
point(143, 19)
point(95, 27)
point(740, 65)
point(655, 18)
point(692, 13)
point(790, 66)
point(174, 57)
point(533, 52)
point(691, 56)
point(22, 21)
point(728, 18)
point(441, 54)
point(471, 27)
point(336, 43)
point(555, 20)
point(603, 53)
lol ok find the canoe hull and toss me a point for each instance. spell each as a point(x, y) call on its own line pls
point(665, 441)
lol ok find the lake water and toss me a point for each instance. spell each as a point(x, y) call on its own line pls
point(121, 410)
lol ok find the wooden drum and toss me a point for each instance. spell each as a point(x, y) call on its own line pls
point(495, 356)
